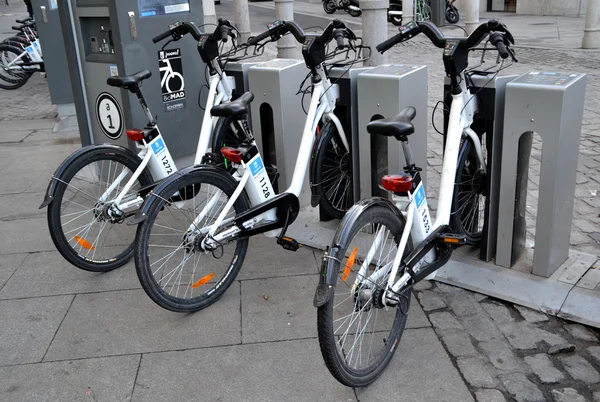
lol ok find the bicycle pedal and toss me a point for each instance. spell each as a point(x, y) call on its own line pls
point(288, 243)
point(454, 239)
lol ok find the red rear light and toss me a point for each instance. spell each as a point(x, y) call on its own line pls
point(135, 135)
point(397, 183)
point(232, 154)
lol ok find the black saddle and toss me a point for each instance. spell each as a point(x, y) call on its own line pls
point(129, 82)
point(238, 107)
point(399, 126)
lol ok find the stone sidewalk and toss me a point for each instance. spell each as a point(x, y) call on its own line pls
point(72, 335)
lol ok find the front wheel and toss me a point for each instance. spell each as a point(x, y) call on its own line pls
point(452, 15)
point(179, 265)
point(358, 335)
point(333, 173)
point(330, 6)
point(470, 190)
point(354, 13)
point(79, 221)
point(10, 77)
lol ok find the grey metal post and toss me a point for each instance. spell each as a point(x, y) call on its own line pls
point(471, 15)
point(242, 19)
point(558, 122)
point(408, 11)
point(374, 28)
point(286, 46)
point(208, 10)
point(591, 32)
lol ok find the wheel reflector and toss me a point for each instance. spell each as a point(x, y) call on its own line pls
point(203, 280)
point(83, 243)
point(349, 263)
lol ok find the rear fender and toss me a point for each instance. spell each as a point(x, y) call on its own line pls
point(333, 257)
point(58, 174)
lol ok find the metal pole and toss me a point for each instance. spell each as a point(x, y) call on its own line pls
point(374, 24)
point(208, 10)
point(242, 19)
point(471, 15)
point(591, 31)
point(286, 46)
point(407, 11)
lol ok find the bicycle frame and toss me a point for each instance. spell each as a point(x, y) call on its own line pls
point(462, 111)
point(159, 160)
point(322, 105)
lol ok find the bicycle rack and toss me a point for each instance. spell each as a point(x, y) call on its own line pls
point(557, 119)
point(277, 117)
point(383, 92)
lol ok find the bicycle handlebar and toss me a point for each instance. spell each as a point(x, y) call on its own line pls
point(280, 28)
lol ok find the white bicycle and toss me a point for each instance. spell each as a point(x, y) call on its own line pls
point(382, 248)
point(99, 186)
point(186, 258)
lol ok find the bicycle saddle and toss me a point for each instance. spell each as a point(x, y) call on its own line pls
point(238, 107)
point(129, 82)
point(399, 126)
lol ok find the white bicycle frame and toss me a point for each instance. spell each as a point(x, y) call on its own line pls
point(462, 111)
point(322, 105)
point(155, 154)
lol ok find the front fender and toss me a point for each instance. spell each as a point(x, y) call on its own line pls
point(58, 174)
point(333, 257)
point(142, 213)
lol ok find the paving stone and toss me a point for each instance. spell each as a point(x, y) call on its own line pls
point(521, 389)
point(462, 304)
point(459, 343)
point(475, 372)
point(596, 396)
point(479, 297)
point(531, 315)
point(543, 368)
point(423, 285)
point(501, 356)
point(586, 226)
point(523, 335)
point(430, 300)
point(498, 312)
point(448, 288)
point(580, 332)
point(561, 348)
point(8, 265)
point(103, 379)
point(444, 321)
point(566, 395)
point(28, 326)
point(489, 395)
point(595, 352)
point(580, 369)
point(481, 327)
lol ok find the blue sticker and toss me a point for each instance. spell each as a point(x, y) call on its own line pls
point(257, 166)
point(420, 196)
point(158, 146)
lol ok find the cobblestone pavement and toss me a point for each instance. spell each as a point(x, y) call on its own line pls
point(507, 352)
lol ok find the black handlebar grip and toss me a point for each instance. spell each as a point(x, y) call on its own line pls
point(224, 34)
point(339, 38)
point(389, 43)
point(497, 40)
point(161, 36)
point(256, 39)
point(502, 50)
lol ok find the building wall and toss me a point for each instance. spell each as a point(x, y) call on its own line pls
point(567, 8)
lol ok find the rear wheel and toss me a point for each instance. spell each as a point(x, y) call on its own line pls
point(470, 191)
point(358, 335)
point(77, 219)
point(333, 173)
point(12, 78)
point(452, 15)
point(178, 265)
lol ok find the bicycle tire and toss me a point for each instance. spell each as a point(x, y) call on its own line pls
point(452, 15)
point(355, 13)
point(468, 199)
point(335, 359)
point(55, 209)
point(331, 159)
point(15, 41)
point(12, 79)
point(227, 133)
point(329, 6)
point(156, 284)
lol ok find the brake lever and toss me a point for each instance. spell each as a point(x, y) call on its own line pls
point(169, 41)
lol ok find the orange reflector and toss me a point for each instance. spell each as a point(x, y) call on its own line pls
point(349, 263)
point(232, 154)
point(135, 135)
point(203, 280)
point(450, 240)
point(397, 183)
point(84, 243)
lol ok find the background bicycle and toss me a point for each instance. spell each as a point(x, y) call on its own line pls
point(20, 56)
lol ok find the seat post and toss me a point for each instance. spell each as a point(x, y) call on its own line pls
point(145, 107)
point(407, 152)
